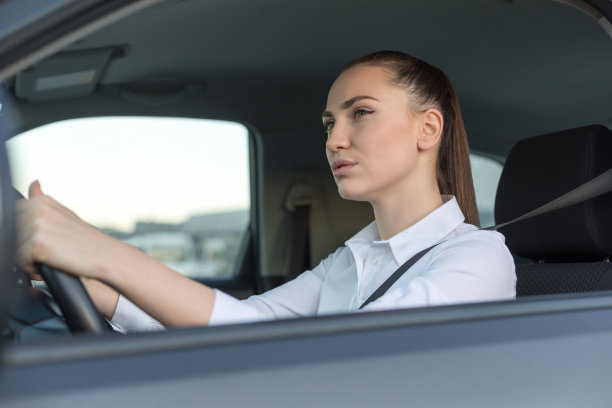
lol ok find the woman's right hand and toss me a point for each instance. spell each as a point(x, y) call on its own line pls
point(51, 234)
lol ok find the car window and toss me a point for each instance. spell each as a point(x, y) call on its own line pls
point(152, 182)
point(486, 173)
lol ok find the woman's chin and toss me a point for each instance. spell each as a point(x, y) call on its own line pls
point(351, 194)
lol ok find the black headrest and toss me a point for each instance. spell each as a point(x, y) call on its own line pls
point(542, 168)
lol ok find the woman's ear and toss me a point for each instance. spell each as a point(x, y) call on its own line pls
point(431, 129)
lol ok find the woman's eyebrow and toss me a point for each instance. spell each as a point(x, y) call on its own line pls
point(348, 103)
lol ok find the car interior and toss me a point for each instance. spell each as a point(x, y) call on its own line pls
point(532, 76)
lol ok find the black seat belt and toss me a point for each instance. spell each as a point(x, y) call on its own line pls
point(396, 275)
point(593, 188)
point(299, 260)
point(299, 202)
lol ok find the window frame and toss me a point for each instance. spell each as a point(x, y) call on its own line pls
point(246, 277)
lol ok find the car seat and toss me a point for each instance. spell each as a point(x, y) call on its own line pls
point(567, 250)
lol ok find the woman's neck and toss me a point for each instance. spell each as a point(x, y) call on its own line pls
point(395, 214)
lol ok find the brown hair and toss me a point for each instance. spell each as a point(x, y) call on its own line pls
point(428, 87)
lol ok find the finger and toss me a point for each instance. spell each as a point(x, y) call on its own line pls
point(24, 259)
point(40, 208)
point(24, 232)
point(29, 215)
point(35, 189)
point(38, 198)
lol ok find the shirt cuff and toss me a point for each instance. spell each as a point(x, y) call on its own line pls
point(229, 310)
point(128, 317)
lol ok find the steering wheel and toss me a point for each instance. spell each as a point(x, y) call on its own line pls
point(73, 300)
point(77, 308)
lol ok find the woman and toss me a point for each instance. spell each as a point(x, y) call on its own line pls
point(395, 138)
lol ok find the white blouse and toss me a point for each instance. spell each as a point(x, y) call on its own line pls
point(468, 265)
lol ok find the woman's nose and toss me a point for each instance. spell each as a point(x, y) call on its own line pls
point(338, 138)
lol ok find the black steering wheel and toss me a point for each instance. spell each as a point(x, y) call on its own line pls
point(77, 308)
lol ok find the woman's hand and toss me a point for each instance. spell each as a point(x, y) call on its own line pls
point(51, 234)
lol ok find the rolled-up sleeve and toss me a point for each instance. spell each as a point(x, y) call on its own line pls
point(226, 310)
point(296, 298)
point(130, 318)
point(229, 310)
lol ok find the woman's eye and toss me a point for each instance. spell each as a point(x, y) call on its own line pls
point(362, 112)
point(328, 126)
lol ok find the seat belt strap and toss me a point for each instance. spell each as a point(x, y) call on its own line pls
point(382, 289)
point(300, 244)
point(593, 188)
point(299, 201)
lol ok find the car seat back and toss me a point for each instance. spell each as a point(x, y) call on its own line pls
point(566, 250)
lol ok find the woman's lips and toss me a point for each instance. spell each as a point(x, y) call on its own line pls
point(341, 167)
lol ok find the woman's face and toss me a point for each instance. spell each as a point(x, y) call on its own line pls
point(371, 135)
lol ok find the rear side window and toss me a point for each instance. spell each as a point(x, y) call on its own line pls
point(486, 173)
point(178, 189)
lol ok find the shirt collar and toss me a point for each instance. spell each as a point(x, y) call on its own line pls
point(426, 232)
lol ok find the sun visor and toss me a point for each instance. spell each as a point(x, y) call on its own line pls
point(65, 75)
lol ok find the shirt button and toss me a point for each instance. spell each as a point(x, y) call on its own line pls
point(375, 261)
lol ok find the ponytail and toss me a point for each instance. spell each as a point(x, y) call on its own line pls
point(454, 172)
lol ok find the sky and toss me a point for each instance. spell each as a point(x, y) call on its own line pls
point(114, 171)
